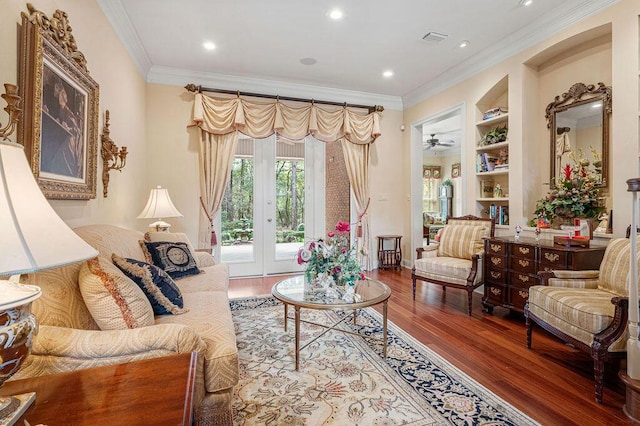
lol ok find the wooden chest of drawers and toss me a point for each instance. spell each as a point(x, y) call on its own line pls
point(510, 267)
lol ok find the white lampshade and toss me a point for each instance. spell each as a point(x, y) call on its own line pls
point(159, 206)
point(32, 235)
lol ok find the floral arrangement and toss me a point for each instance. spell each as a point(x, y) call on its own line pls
point(331, 262)
point(576, 194)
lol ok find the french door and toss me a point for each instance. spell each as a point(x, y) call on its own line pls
point(274, 202)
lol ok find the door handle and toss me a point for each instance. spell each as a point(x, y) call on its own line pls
point(269, 220)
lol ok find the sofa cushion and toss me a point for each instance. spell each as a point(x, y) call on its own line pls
point(157, 285)
point(577, 312)
point(211, 278)
point(174, 258)
point(210, 315)
point(114, 300)
point(461, 241)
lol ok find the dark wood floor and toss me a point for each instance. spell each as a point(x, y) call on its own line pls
point(551, 382)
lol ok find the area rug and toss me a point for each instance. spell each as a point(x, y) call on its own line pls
point(344, 380)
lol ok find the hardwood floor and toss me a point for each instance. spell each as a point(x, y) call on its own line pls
point(551, 382)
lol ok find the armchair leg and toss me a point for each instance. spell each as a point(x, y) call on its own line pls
point(414, 289)
point(529, 327)
point(470, 298)
point(598, 373)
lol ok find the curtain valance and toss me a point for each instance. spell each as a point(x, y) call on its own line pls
point(260, 120)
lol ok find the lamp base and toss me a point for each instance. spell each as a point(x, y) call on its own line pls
point(12, 407)
point(632, 407)
point(160, 226)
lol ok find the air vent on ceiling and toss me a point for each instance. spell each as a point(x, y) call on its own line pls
point(434, 36)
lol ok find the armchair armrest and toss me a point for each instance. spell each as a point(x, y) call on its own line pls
point(428, 251)
point(570, 279)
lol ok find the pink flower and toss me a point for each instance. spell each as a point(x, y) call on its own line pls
point(331, 234)
point(304, 255)
point(342, 227)
point(361, 276)
point(567, 172)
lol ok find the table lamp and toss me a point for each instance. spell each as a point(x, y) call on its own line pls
point(159, 206)
point(33, 238)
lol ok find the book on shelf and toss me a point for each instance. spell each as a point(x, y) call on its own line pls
point(486, 162)
point(502, 215)
point(494, 112)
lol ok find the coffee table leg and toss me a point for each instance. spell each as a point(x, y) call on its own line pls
point(286, 313)
point(355, 315)
point(297, 320)
point(384, 328)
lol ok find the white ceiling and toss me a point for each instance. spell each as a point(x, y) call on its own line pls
point(260, 42)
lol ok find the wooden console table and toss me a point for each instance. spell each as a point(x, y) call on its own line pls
point(511, 266)
point(157, 391)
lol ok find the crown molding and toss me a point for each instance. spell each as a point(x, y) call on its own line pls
point(180, 77)
point(528, 36)
point(116, 14)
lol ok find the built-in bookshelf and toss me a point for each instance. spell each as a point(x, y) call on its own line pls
point(492, 154)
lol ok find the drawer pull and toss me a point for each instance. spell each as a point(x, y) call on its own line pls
point(495, 274)
point(496, 291)
point(552, 257)
point(524, 250)
point(496, 247)
point(523, 278)
point(496, 261)
point(523, 294)
point(523, 263)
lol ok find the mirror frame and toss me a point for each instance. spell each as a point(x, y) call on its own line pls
point(580, 94)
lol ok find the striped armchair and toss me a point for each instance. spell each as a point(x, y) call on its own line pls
point(586, 308)
point(456, 260)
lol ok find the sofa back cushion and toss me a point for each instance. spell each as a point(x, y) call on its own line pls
point(108, 239)
point(114, 300)
point(61, 303)
point(462, 241)
point(614, 269)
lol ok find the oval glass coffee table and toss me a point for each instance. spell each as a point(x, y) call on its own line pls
point(291, 291)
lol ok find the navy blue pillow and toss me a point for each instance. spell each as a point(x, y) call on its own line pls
point(174, 258)
point(157, 285)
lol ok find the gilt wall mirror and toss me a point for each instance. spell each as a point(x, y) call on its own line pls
point(578, 122)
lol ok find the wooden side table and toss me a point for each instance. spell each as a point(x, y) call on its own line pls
point(389, 252)
point(149, 392)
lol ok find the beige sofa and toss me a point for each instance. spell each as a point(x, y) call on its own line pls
point(70, 339)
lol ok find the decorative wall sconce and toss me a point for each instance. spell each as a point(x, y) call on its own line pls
point(13, 109)
point(112, 158)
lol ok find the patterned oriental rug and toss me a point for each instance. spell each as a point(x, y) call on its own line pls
point(343, 379)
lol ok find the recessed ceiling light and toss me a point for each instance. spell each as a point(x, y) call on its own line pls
point(464, 43)
point(335, 14)
point(209, 45)
point(308, 61)
point(387, 74)
point(526, 3)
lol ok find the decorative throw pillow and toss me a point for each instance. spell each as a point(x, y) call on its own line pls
point(157, 285)
point(174, 258)
point(115, 301)
point(172, 237)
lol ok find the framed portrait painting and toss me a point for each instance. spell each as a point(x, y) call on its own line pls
point(60, 126)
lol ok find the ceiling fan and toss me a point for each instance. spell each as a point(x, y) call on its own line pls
point(433, 141)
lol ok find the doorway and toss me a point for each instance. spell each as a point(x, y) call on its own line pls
point(271, 204)
point(437, 160)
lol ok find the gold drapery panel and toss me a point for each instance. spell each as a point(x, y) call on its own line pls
point(216, 117)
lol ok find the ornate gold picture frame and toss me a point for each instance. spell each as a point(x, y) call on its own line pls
point(60, 126)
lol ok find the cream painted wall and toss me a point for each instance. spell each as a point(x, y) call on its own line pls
point(122, 92)
point(528, 86)
point(173, 162)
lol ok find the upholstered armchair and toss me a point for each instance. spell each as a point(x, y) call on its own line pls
point(587, 309)
point(456, 260)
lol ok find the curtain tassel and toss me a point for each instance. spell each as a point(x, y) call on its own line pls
point(214, 237)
